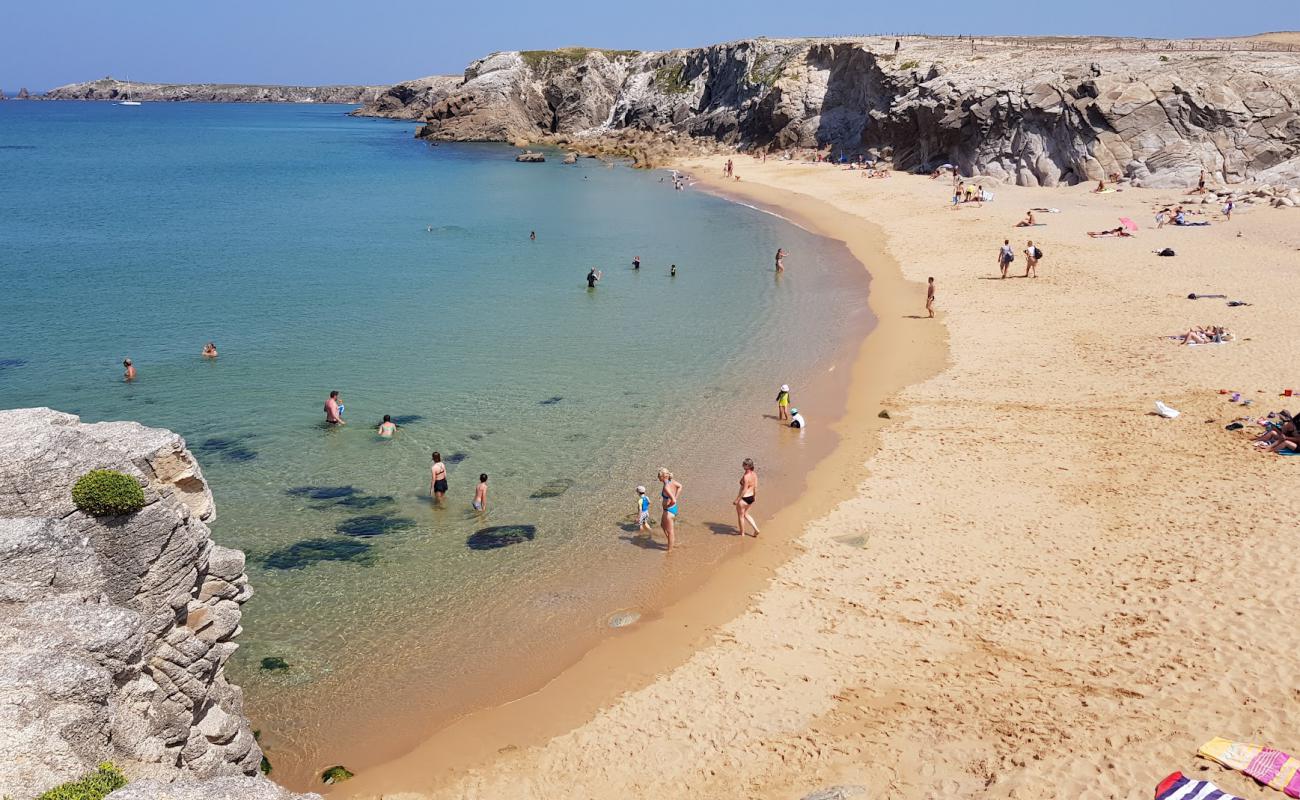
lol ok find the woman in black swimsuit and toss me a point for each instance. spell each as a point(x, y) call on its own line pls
point(438, 478)
point(746, 496)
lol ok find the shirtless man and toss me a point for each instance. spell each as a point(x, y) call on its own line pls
point(332, 409)
point(929, 298)
point(209, 350)
point(128, 373)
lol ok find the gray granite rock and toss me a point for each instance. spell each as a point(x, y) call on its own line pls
point(1022, 114)
point(244, 788)
point(114, 632)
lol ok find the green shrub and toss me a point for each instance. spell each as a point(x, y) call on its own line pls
point(107, 493)
point(909, 65)
point(1164, 58)
point(566, 57)
point(335, 774)
point(94, 786)
point(670, 79)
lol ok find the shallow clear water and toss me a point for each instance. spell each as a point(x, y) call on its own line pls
point(324, 252)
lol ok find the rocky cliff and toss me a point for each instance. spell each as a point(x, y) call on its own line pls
point(112, 89)
point(411, 99)
point(114, 631)
point(1028, 111)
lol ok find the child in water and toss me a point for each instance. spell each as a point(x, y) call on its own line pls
point(643, 510)
point(480, 493)
point(783, 403)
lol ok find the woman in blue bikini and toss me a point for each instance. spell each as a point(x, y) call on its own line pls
point(670, 492)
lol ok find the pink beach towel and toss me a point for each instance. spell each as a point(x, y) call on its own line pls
point(1273, 768)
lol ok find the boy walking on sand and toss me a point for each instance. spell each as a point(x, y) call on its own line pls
point(929, 298)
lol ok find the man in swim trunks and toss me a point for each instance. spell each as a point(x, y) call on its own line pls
point(929, 298)
point(332, 409)
point(128, 371)
point(480, 493)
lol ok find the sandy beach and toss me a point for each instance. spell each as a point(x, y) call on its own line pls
point(1032, 587)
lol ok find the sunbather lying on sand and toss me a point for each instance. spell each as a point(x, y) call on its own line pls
point(1210, 334)
point(1119, 232)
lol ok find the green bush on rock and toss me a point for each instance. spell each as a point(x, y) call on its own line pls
point(335, 774)
point(107, 493)
point(94, 786)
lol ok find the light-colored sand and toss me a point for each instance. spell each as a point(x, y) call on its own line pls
point(1040, 589)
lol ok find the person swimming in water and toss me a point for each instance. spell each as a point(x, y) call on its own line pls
point(746, 496)
point(128, 373)
point(387, 428)
point(593, 276)
point(209, 350)
point(671, 491)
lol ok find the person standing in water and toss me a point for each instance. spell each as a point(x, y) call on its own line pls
point(672, 271)
point(642, 510)
point(593, 276)
point(783, 403)
point(480, 493)
point(437, 478)
point(636, 262)
point(670, 492)
point(780, 260)
point(128, 370)
point(334, 409)
point(387, 428)
point(746, 496)
point(209, 350)
point(929, 297)
point(532, 235)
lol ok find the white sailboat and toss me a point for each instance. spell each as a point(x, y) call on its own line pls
point(126, 96)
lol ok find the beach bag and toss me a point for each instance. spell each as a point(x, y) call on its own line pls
point(1038, 254)
point(1168, 251)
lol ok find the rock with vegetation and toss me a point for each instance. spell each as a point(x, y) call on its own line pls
point(335, 774)
point(93, 786)
point(114, 630)
point(107, 493)
point(1034, 112)
point(113, 89)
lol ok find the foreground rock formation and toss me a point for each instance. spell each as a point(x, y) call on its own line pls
point(1027, 111)
point(114, 631)
point(112, 89)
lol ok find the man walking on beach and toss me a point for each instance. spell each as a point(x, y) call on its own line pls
point(1005, 256)
point(929, 298)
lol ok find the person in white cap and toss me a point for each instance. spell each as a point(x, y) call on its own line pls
point(643, 510)
point(783, 403)
point(796, 419)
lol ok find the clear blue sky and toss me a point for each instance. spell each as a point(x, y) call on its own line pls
point(45, 43)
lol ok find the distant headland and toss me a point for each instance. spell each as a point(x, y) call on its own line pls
point(115, 90)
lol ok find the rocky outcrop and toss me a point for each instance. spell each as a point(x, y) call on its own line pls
point(114, 631)
point(1021, 111)
point(112, 89)
point(409, 100)
point(23, 94)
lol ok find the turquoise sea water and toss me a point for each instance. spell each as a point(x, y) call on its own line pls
point(325, 252)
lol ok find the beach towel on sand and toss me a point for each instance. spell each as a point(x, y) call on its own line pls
point(1273, 768)
point(1180, 787)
